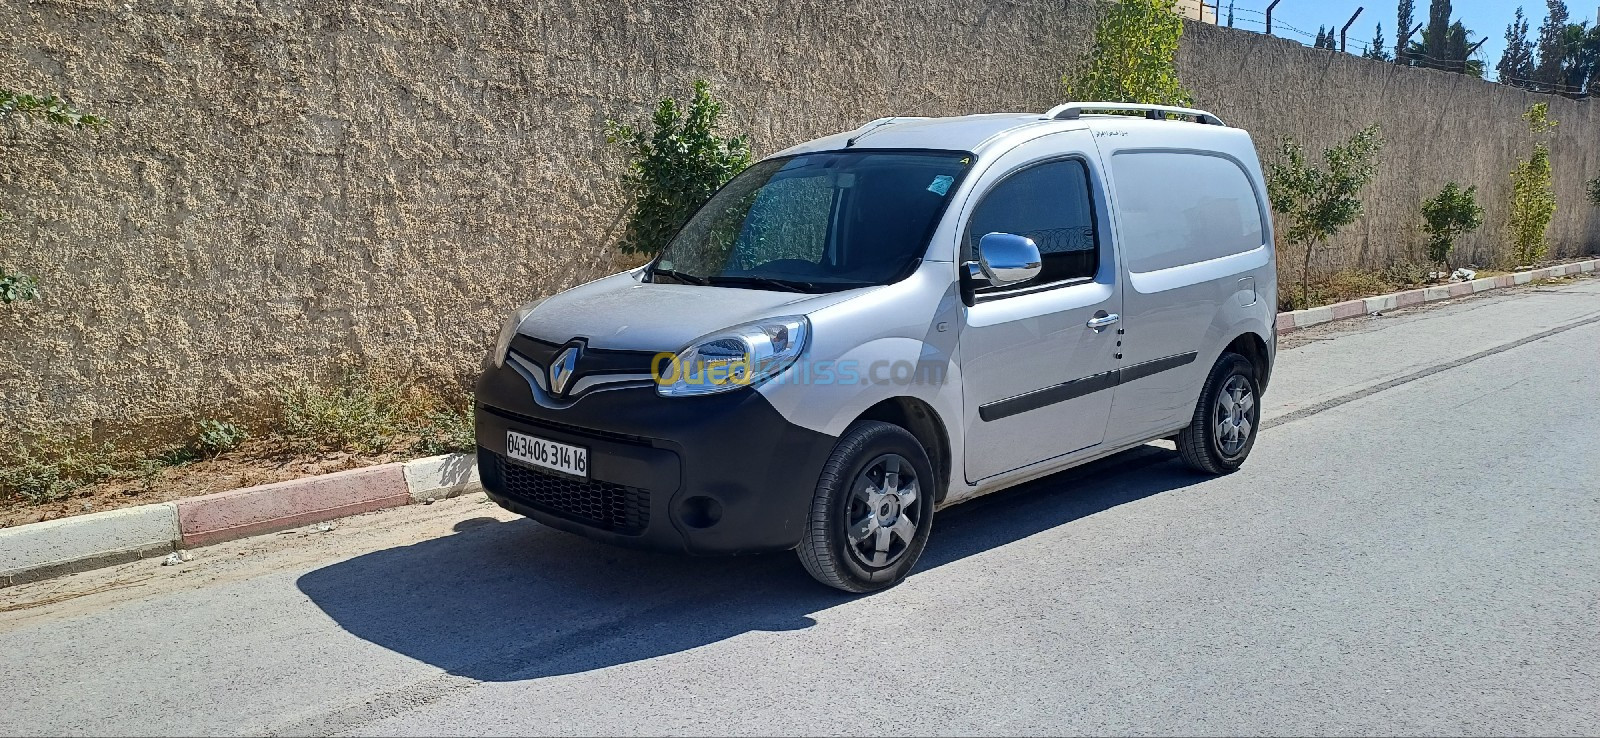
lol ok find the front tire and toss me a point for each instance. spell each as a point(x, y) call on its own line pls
point(1223, 429)
point(872, 511)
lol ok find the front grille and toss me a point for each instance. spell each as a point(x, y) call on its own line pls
point(533, 422)
point(603, 505)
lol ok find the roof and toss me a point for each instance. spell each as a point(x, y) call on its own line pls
point(977, 132)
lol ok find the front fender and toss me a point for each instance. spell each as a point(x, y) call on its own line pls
point(827, 396)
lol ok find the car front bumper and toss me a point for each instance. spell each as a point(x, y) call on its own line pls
point(717, 474)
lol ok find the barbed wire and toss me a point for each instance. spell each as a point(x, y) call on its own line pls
point(1367, 45)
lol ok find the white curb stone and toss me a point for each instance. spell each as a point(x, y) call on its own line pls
point(79, 543)
point(441, 477)
point(1381, 303)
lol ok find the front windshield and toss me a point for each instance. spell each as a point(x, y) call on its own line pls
point(817, 222)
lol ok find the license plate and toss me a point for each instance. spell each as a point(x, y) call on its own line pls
point(548, 454)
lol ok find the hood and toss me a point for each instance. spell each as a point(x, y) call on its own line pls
point(619, 312)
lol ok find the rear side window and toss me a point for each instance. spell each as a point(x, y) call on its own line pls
point(1048, 203)
point(1178, 208)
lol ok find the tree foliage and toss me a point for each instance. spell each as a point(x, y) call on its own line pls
point(1379, 48)
point(1516, 63)
point(675, 167)
point(18, 108)
point(1594, 192)
point(1552, 42)
point(1324, 40)
point(1404, 22)
point(1453, 213)
point(1533, 197)
point(1134, 57)
point(1317, 202)
point(1445, 45)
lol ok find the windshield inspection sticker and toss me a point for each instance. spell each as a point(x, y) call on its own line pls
point(941, 185)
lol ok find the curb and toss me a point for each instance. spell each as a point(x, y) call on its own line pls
point(1366, 306)
point(54, 547)
point(80, 543)
point(38, 551)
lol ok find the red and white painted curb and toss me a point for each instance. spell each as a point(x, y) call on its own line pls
point(1367, 306)
point(79, 543)
point(54, 547)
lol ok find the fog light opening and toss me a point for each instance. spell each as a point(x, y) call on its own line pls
point(700, 512)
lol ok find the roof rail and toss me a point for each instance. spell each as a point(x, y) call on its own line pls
point(1073, 110)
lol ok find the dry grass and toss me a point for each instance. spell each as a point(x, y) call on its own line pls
point(356, 421)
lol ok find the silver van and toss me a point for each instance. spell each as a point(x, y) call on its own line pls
point(866, 328)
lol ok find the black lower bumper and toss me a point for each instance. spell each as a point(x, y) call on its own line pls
point(717, 474)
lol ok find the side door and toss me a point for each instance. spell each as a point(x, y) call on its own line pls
point(1037, 375)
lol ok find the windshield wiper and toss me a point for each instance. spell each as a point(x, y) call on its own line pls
point(683, 277)
point(789, 285)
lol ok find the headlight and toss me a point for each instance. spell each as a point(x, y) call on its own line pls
point(509, 331)
point(740, 356)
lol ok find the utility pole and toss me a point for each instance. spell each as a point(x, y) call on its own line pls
point(1344, 32)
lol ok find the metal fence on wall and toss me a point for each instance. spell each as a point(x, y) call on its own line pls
point(1264, 21)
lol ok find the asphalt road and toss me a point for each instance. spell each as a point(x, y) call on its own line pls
point(1411, 549)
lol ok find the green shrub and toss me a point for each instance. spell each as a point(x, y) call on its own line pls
point(1533, 197)
point(1594, 192)
point(674, 168)
point(1452, 213)
point(218, 436)
point(1134, 58)
point(1316, 201)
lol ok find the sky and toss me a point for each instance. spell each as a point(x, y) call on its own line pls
point(1482, 17)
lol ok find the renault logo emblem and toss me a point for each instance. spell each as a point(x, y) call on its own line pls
point(562, 368)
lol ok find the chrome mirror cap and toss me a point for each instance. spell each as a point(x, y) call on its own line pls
point(1005, 258)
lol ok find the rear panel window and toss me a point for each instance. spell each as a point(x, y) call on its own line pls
point(1179, 208)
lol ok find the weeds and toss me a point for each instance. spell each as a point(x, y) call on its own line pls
point(218, 436)
point(366, 415)
point(448, 431)
point(45, 472)
point(1350, 285)
point(360, 414)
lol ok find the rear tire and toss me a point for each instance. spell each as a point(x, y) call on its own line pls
point(1226, 419)
point(872, 511)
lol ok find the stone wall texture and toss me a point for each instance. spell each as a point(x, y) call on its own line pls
point(292, 186)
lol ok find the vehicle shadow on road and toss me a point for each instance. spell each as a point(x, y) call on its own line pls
point(506, 601)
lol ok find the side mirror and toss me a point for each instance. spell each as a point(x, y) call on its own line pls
point(1005, 258)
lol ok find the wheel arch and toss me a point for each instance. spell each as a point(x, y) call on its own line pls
point(919, 419)
point(1251, 346)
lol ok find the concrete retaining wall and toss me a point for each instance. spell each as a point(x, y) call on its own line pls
point(289, 185)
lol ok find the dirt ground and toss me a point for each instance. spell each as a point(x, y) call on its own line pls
point(254, 462)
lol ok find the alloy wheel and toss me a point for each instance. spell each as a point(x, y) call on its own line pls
point(883, 516)
point(1234, 415)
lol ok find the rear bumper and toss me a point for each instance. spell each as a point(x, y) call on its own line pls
point(706, 475)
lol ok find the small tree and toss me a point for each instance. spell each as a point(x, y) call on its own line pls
point(675, 168)
point(1533, 197)
point(1452, 213)
point(1379, 48)
point(1318, 202)
point(1134, 58)
point(18, 108)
